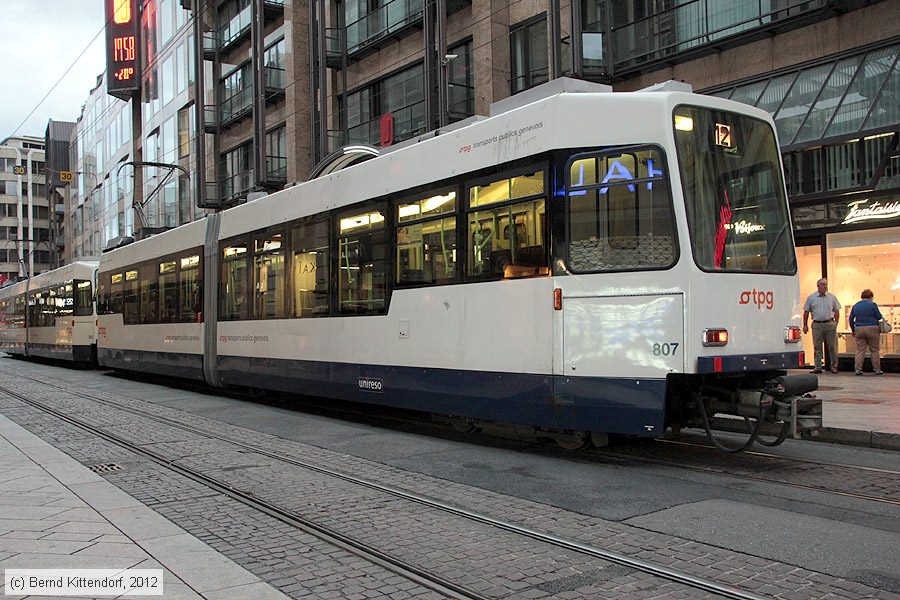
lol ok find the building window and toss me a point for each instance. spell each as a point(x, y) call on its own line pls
point(401, 95)
point(237, 166)
point(528, 44)
point(274, 64)
point(460, 82)
point(276, 154)
point(185, 130)
point(237, 94)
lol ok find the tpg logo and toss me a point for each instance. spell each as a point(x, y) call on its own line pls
point(759, 298)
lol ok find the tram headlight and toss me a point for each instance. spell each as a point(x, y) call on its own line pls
point(715, 337)
point(791, 334)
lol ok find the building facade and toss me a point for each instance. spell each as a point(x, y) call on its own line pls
point(59, 177)
point(25, 246)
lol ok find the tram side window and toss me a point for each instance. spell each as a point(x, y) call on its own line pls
point(508, 227)
point(20, 311)
point(310, 268)
point(233, 283)
point(268, 276)
point(65, 300)
point(168, 291)
point(191, 300)
point(50, 307)
point(83, 298)
point(116, 293)
point(149, 293)
point(361, 270)
point(131, 298)
point(620, 212)
point(426, 239)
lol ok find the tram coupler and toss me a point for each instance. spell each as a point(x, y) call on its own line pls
point(794, 405)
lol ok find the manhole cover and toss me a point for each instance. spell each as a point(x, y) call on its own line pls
point(854, 401)
point(105, 468)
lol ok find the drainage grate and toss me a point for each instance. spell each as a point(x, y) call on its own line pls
point(105, 468)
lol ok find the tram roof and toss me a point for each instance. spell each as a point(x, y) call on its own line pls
point(564, 120)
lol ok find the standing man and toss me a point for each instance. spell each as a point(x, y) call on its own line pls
point(825, 310)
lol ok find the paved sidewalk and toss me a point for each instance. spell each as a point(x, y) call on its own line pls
point(57, 514)
point(860, 410)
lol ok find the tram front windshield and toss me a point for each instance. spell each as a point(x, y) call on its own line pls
point(734, 192)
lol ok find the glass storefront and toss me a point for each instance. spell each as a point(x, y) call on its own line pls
point(857, 260)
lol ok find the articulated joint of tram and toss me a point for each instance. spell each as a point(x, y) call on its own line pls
point(766, 405)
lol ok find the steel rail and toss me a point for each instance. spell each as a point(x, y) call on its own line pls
point(693, 581)
point(373, 555)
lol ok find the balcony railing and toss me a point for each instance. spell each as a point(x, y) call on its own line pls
point(210, 118)
point(276, 169)
point(237, 106)
point(235, 29)
point(409, 121)
point(382, 22)
point(275, 81)
point(237, 185)
point(697, 23)
point(239, 25)
point(240, 105)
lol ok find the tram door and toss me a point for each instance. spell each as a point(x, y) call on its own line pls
point(636, 336)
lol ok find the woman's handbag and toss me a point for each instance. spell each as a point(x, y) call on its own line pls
point(884, 326)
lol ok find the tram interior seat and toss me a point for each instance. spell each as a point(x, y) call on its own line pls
point(622, 252)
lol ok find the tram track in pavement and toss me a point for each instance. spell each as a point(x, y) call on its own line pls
point(776, 470)
point(769, 468)
point(445, 587)
point(411, 572)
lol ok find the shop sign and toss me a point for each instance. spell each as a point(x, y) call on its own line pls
point(861, 210)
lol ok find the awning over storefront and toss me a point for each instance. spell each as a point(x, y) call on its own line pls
point(848, 96)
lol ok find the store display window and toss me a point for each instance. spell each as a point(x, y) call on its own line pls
point(809, 267)
point(858, 260)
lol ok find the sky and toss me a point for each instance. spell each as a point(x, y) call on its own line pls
point(39, 41)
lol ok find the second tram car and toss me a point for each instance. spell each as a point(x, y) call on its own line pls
point(586, 264)
point(51, 315)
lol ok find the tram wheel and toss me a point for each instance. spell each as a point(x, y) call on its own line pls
point(575, 440)
point(461, 425)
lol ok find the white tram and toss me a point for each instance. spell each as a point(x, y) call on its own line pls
point(588, 262)
point(51, 315)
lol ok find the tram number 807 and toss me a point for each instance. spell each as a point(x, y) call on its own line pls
point(665, 349)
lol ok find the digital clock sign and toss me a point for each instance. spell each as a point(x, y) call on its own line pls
point(123, 78)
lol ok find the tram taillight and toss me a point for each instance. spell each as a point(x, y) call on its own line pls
point(791, 334)
point(715, 337)
point(557, 299)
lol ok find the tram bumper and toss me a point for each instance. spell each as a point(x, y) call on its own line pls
point(781, 406)
point(794, 405)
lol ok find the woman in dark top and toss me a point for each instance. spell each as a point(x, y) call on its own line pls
point(864, 318)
